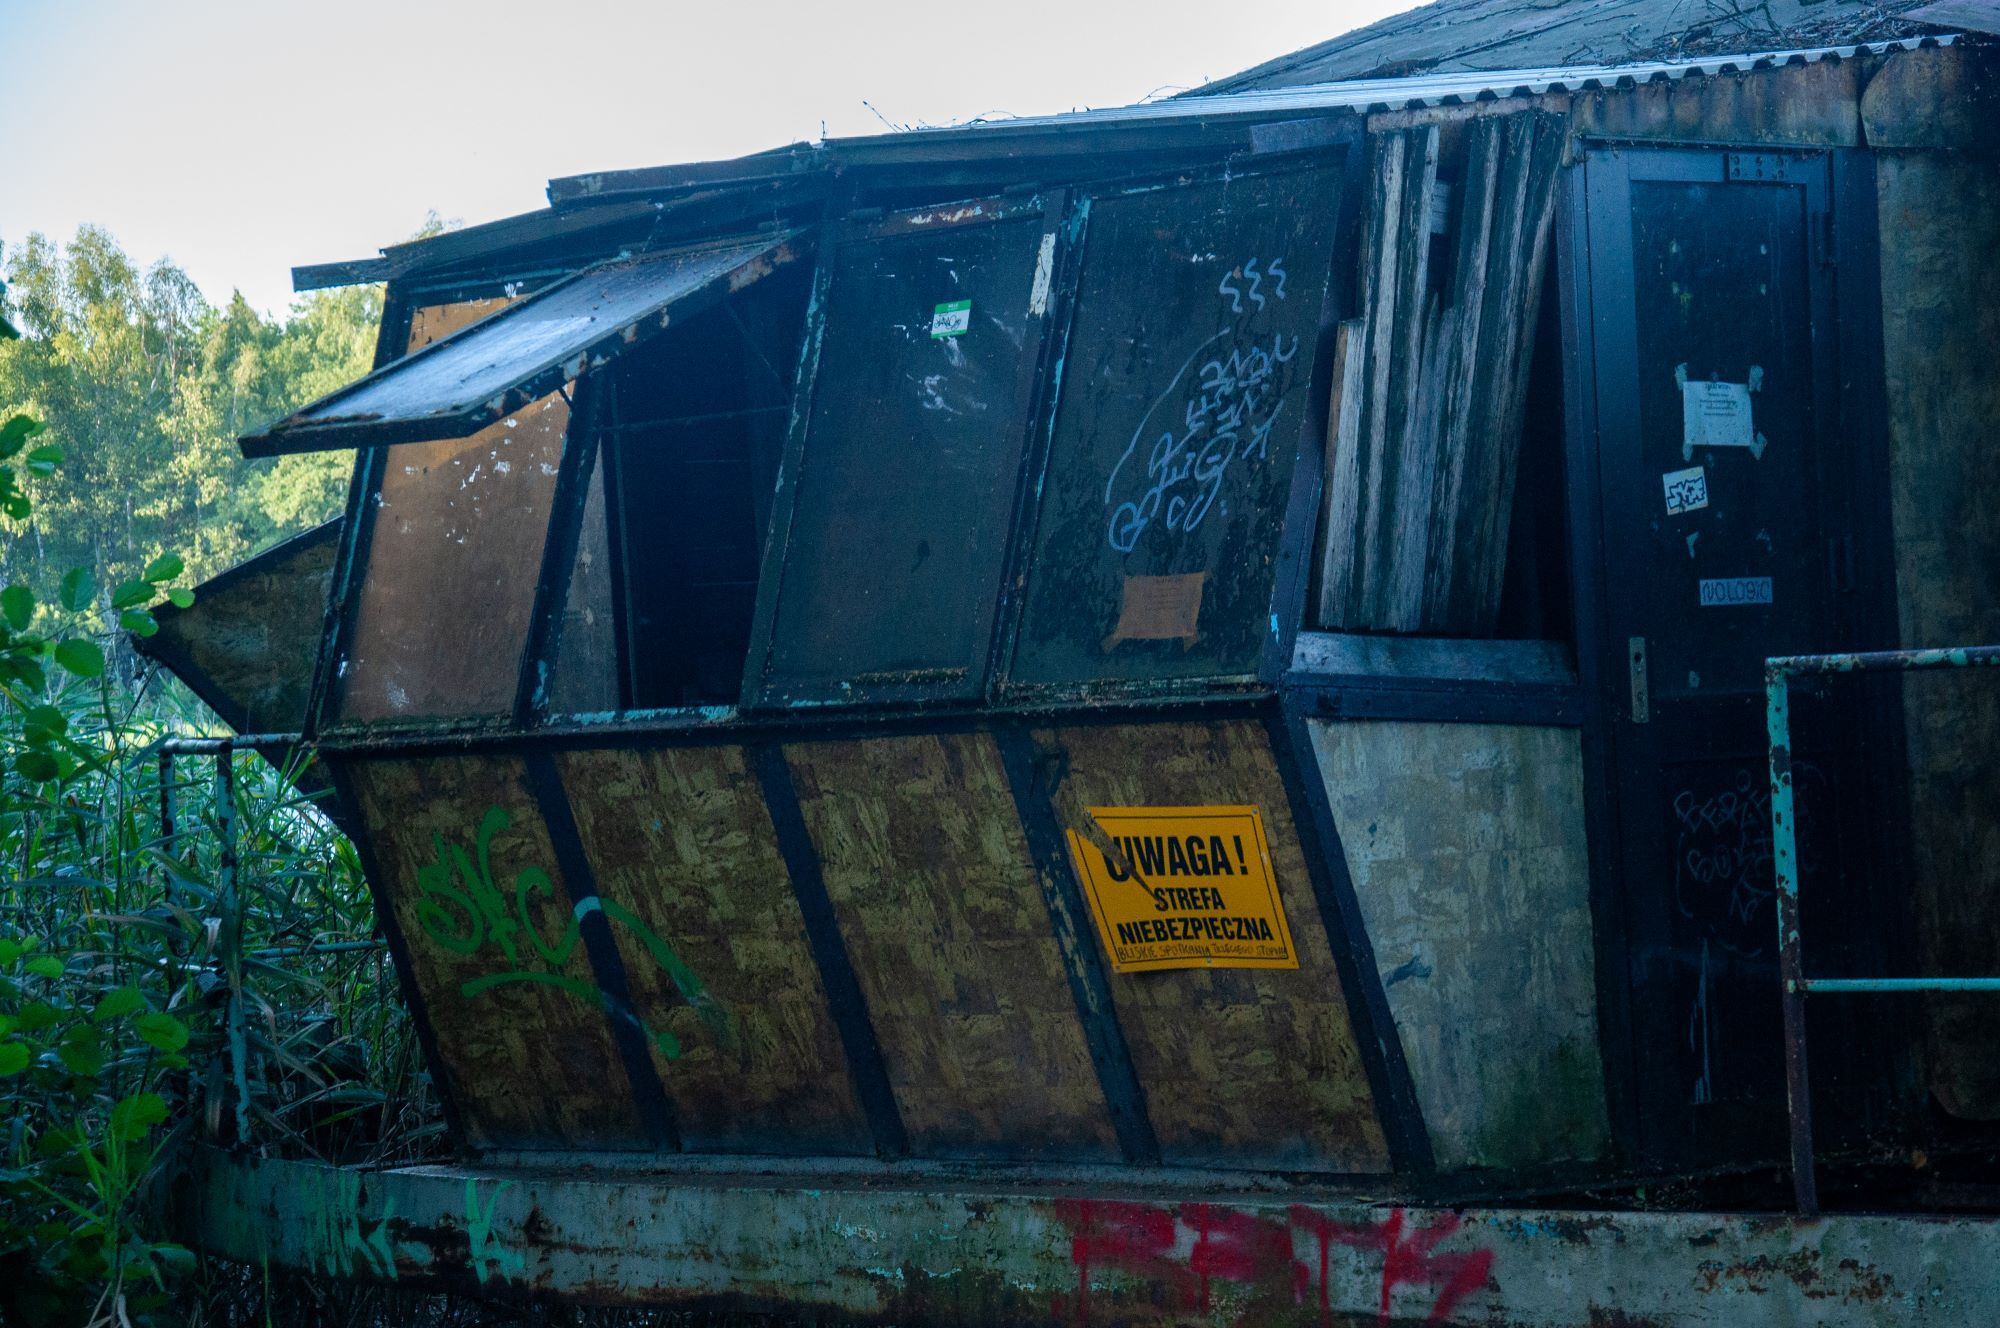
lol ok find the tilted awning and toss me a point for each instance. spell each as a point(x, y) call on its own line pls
point(460, 384)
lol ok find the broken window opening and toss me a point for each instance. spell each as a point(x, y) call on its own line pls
point(693, 425)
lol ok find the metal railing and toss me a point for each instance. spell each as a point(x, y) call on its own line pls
point(1795, 986)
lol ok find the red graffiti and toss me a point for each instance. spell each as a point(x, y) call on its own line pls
point(1182, 1250)
point(1407, 1257)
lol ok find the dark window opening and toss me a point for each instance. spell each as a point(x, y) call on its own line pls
point(692, 425)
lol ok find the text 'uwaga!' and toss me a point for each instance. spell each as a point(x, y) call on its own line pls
point(1183, 887)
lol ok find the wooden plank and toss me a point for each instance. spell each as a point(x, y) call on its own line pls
point(679, 839)
point(1241, 1067)
point(493, 946)
point(931, 878)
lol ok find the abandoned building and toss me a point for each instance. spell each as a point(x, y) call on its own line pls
point(1163, 712)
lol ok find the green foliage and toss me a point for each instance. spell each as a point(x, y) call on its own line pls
point(152, 991)
point(144, 387)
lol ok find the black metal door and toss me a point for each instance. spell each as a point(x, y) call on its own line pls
point(1722, 493)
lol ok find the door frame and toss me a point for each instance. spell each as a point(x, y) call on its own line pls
point(1848, 367)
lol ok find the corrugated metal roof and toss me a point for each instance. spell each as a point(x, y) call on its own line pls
point(1428, 90)
point(1457, 36)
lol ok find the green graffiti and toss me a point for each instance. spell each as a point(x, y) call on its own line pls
point(462, 910)
point(489, 1257)
point(338, 1240)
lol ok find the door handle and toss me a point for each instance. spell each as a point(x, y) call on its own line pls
point(1635, 658)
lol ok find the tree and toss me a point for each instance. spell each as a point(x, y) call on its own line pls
point(145, 386)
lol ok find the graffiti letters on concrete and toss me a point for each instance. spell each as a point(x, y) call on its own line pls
point(462, 909)
point(1189, 1256)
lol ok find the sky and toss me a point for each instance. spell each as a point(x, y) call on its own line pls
point(241, 137)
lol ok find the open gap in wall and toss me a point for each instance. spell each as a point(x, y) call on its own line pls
point(693, 428)
point(1535, 587)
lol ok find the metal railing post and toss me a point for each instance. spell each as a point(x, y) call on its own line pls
point(1785, 858)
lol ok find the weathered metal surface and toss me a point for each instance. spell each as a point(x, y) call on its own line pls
point(1812, 104)
point(1945, 98)
point(246, 645)
point(1474, 35)
point(680, 840)
point(1466, 846)
point(1240, 1067)
point(1778, 674)
point(938, 901)
point(933, 1249)
point(527, 352)
point(520, 1021)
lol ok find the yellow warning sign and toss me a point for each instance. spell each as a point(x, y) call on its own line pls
point(1183, 887)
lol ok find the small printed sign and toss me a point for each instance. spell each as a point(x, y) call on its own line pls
point(1687, 490)
point(1716, 415)
point(951, 320)
point(1183, 887)
point(1723, 592)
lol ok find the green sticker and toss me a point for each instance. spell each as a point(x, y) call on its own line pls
point(951, 320)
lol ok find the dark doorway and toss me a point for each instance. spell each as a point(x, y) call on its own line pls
point(1720, 489)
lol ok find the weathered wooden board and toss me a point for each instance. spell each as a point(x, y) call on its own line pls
point(1240, 1067)
point(453, 560)
point(937, 897)
point(1941, 321)
point(1465, 843)
point(472, 879)
point(248, 643)
point(680, 837)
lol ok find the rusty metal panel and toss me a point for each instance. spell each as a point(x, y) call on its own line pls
point(937, 897)
point(1241, 1067)
point(517, 1016)
point(684, 854)
point(523, 353)
point(931, 1250)
point(1465, 843)
point(1813, 104)
point(247, 644)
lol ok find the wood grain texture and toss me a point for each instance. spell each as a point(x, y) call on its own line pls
point(930, 876)
point(1425, 432)
point(681, 838)
point(534, 1066)
point(1241, 1067)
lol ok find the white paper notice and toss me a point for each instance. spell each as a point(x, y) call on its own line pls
point(1716, 415)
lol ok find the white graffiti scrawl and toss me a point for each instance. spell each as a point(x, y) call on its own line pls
point(1229, 393)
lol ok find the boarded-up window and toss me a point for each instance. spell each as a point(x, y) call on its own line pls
point(1183, 398)
point(1431, 384)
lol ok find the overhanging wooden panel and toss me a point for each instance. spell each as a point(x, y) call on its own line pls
point(516, 1014)
point(930, 876)
point(681, 838)
point(1241, 1067)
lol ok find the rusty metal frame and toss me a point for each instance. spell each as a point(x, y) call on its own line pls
point(1795, 985)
